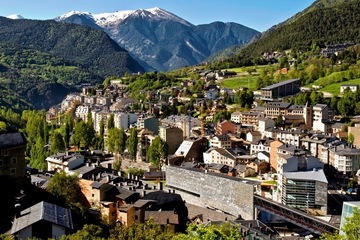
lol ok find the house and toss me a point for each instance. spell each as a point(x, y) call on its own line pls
point(264, 124)
point(148, 122)
point(263, 145)
point(345, 158)
point(253, 136)
point(219, 156)
point(243, 171)
point(236, 117)
point(211, 94)
point(351, 87)
point(225, 127)
point(12, 155)
point(322, 116)
point(220, 141)
point(64, 162)
point(43, 221)
point(189, 151)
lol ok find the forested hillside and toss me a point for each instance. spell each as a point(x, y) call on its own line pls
point(319, 25)
point(32, 78)
point(85, 46)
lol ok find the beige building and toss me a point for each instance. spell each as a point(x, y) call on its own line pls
point(173, 136)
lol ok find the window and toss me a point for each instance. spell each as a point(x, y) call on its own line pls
point(12, 171)
point(13, 160)
point(4, 152)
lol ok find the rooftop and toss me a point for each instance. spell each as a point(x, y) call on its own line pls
point(43, 211)
point(8, 140)
point(314, 175)
point(276, 85)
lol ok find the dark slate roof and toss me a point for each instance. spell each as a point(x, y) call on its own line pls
point(43, 211)
point(96, 184)
point(8, 140)
point(277, 105)
point(279, 84)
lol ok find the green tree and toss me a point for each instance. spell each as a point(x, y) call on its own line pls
point(88, 232)
point(113, 140)
point(2, 127)
point(221, 116)
point(131, 143)
point(83, 134)
point(57, 143)
point(67, 188)
point(351, 138)
point(38, 155)
point(157, 152)
point(142, 231)
point(279, 121)
point(225, 231)
point(67, 134)
point(111, 122)
point(351, 228)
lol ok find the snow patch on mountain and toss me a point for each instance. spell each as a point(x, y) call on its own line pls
point(103, 19)
point(15, 16)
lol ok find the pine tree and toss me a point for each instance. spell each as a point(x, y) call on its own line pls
point(132, 143)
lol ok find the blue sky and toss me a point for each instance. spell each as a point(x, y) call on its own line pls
point(257, 14)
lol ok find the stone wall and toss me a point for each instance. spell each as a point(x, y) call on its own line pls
point(228, 194)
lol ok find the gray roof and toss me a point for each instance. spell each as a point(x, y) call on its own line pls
point(296, 107)
point(314, 175)
point(43, 211)
point(8, 140)
point(184, 148)
point(277, 104)
point(280, 84)
point(322, 106)
point(96, 184)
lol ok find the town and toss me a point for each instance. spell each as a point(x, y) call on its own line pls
point(273, 164)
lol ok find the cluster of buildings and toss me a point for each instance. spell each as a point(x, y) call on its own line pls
point(250, 144)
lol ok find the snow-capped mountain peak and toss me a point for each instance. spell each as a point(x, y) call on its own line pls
point(71, 13)
point(104, 19)
point(15, 16)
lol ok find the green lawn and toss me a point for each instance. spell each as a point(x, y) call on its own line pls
point(334, 88)
point(237, 82)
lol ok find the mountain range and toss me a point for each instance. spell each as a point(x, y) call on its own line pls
point(160, 40)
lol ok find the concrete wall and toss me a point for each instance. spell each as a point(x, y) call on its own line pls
point(227, 194)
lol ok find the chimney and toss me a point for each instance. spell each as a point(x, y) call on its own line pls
point(160, 186)
point(17, 210)
point(109, 166)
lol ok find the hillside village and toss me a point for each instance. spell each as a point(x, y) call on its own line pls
point(257, 146)
point(296, 155)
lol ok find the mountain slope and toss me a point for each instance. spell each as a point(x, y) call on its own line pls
point(90, 48)
point(161, 39)
point(31, 78)
point(324, 22)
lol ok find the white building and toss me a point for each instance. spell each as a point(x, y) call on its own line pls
point(220, 141)
point(219, 156)
point(64, 162)
point(236, 117)
point(124, 120)
point(321, 115)
point(82, 112)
